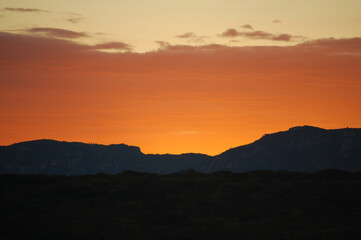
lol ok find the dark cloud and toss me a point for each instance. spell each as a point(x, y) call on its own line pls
point(36, 10)
point(58, 32)
point(260, 35)
point(247, 26)
point(113, 45)
point(276, 21)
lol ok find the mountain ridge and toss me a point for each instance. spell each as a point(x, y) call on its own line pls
point(301, 148)
point(295, 128)
point(301, 144)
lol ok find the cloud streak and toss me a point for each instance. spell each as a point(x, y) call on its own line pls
point(74, 20)
point(73, 17)
point(186, 35)
point(58, 32)
point(231, 32)
point(25, 10)
point(192, 37)
point(112, 45)
point(165, 46)
point(247, 26)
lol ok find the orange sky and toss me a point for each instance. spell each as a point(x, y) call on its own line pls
point(204, 97)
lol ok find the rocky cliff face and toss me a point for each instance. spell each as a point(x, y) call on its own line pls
point(298, 149)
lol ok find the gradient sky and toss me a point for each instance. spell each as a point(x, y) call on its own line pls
point(177, 76)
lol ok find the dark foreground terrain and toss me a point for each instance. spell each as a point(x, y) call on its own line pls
point(185, 205)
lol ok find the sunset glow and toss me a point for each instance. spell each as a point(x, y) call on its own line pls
point(177, 76)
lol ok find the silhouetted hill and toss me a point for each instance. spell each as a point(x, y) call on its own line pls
point(53, 157)
point(298, 149)
point(73, 158)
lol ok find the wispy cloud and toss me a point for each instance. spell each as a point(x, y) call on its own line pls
point(26, 10)
point(260, 35)
point(247, 26)
point(58, 32)
point(186, 35)
point(74, 19)
point(163, 44)
point(169, 47)
point(113, 46)
point(71, 17)
point(192, 37)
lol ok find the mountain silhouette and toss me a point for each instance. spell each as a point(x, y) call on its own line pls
point(298, 149)
point(303, 148)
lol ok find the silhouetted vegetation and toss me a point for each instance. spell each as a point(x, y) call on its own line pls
point(185, 205)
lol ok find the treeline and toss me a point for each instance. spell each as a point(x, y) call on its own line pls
point(186, 205)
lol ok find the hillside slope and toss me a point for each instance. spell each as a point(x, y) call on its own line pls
point(298, 149)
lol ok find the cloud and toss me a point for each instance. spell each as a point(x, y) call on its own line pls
point(188, 48)
point(192, 38)
point(231, 32)
point(34, 10)
point(51, 83)
point(19, 48)
point(38, 45)
point(186, 35)
point(74, 19)
point(282, 37)
point(58, 32)
point(162, 44)
point(15, 42)
point(277, 21)
point(344, 46)
point(247, 26)
point(113, 45)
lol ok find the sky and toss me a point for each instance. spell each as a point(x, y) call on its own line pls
point(177, 76)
